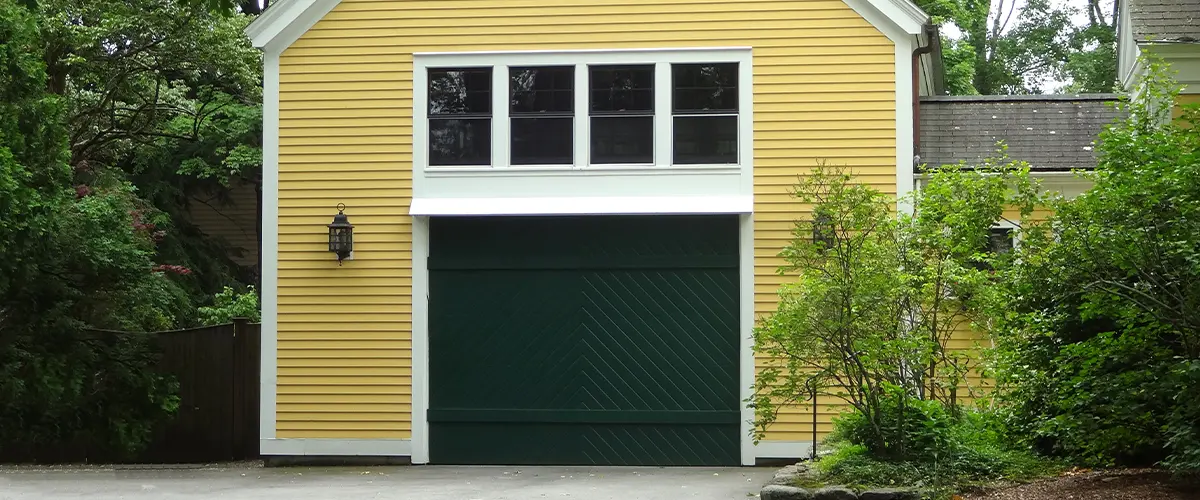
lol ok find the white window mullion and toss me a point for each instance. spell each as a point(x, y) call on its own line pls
point(583, 134)
point(662, 114)
point(500, 122)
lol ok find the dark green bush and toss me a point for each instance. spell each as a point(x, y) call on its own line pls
point(946, 451)
point(907, 428)
point(1098, 329)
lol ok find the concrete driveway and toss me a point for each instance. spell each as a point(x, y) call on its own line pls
point(401, 483)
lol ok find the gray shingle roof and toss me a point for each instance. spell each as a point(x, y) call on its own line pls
point(1165, 20)
point(1051, 132)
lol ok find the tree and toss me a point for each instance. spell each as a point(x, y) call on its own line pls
point(164, 94)
point(1006, 49)
point(878, 295)
point(113, 116)
point(1091, 65)
point(76, 258)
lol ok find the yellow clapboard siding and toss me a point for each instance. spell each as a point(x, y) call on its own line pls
point(343, 434)
point(824, 90)
point(349, 421)
point(343, 354)
point(293, 345)
point(297, 411)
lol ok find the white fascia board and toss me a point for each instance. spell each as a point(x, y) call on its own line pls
point(647, 205)
point(286, 21)
point(783, 449)
point(897, 19)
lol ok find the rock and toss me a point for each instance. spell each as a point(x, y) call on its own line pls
point(835, 493)
point(889, 494)
point(788, 475)
point(781, 492)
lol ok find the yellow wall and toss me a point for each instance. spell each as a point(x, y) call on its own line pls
point(824, 88)
point(1185, 99)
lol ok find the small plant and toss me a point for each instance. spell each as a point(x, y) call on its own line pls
point(230, 304)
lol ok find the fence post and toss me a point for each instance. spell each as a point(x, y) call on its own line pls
point(238, 391)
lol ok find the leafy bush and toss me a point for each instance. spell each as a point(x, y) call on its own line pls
point(906, 428)
point(1098, 327)
point(958, 450)
point(879, 294)
point(230, 304)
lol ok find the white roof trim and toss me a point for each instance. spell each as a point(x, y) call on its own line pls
point(599, 205)
point(286, 20)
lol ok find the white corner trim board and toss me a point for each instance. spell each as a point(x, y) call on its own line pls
point(336, 447)
point(270, 249)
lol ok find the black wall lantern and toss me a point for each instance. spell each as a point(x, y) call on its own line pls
point(341, 235)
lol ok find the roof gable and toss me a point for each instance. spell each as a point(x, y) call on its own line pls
point(286, 20)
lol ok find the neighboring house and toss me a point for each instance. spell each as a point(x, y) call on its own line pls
point(231, 217)
point(1168, 29)
point(1055, 134)
point(566, 216)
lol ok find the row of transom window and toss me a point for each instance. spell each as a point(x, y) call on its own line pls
point(620, 114)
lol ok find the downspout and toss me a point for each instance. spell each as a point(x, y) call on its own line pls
point(930, 32)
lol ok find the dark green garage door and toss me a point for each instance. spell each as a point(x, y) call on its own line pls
point(584, 340)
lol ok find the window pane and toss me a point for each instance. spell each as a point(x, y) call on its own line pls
point(1000, 240)
point(542, 141)
point(618, 89)
point(705, 87)
point(460, 141)
point(460, 91)
point(706, 139)
point(620, 139)
point(542, 90)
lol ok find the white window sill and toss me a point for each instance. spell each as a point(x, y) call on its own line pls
point(535, 170)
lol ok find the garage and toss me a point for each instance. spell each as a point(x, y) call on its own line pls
point(592, 340)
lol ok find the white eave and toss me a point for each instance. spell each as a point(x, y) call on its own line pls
point(286, 20)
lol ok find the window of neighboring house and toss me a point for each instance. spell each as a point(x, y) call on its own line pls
point(643, 108)
point(705, 110)
point(1001, 240)
point(541, 110)
point(621, 113)
point(460, 116)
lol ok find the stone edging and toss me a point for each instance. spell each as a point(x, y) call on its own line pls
point(781, 488)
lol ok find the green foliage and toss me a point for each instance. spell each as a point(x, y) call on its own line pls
point(1010, 48)
point(91, 234)
point(230, 304)
point(1098, 328)
point(878, 294)
point(956, 452)
point(908, 428)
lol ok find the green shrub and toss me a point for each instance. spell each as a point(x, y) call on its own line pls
point(906, 428)
point(948, 452)
point(230, 304)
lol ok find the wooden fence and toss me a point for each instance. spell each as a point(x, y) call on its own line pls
point(217, 368)
point(218, 372)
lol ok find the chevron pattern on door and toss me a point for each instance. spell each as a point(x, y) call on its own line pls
point(584, 340)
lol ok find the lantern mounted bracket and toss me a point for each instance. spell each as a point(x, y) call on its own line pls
point(341, 235)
